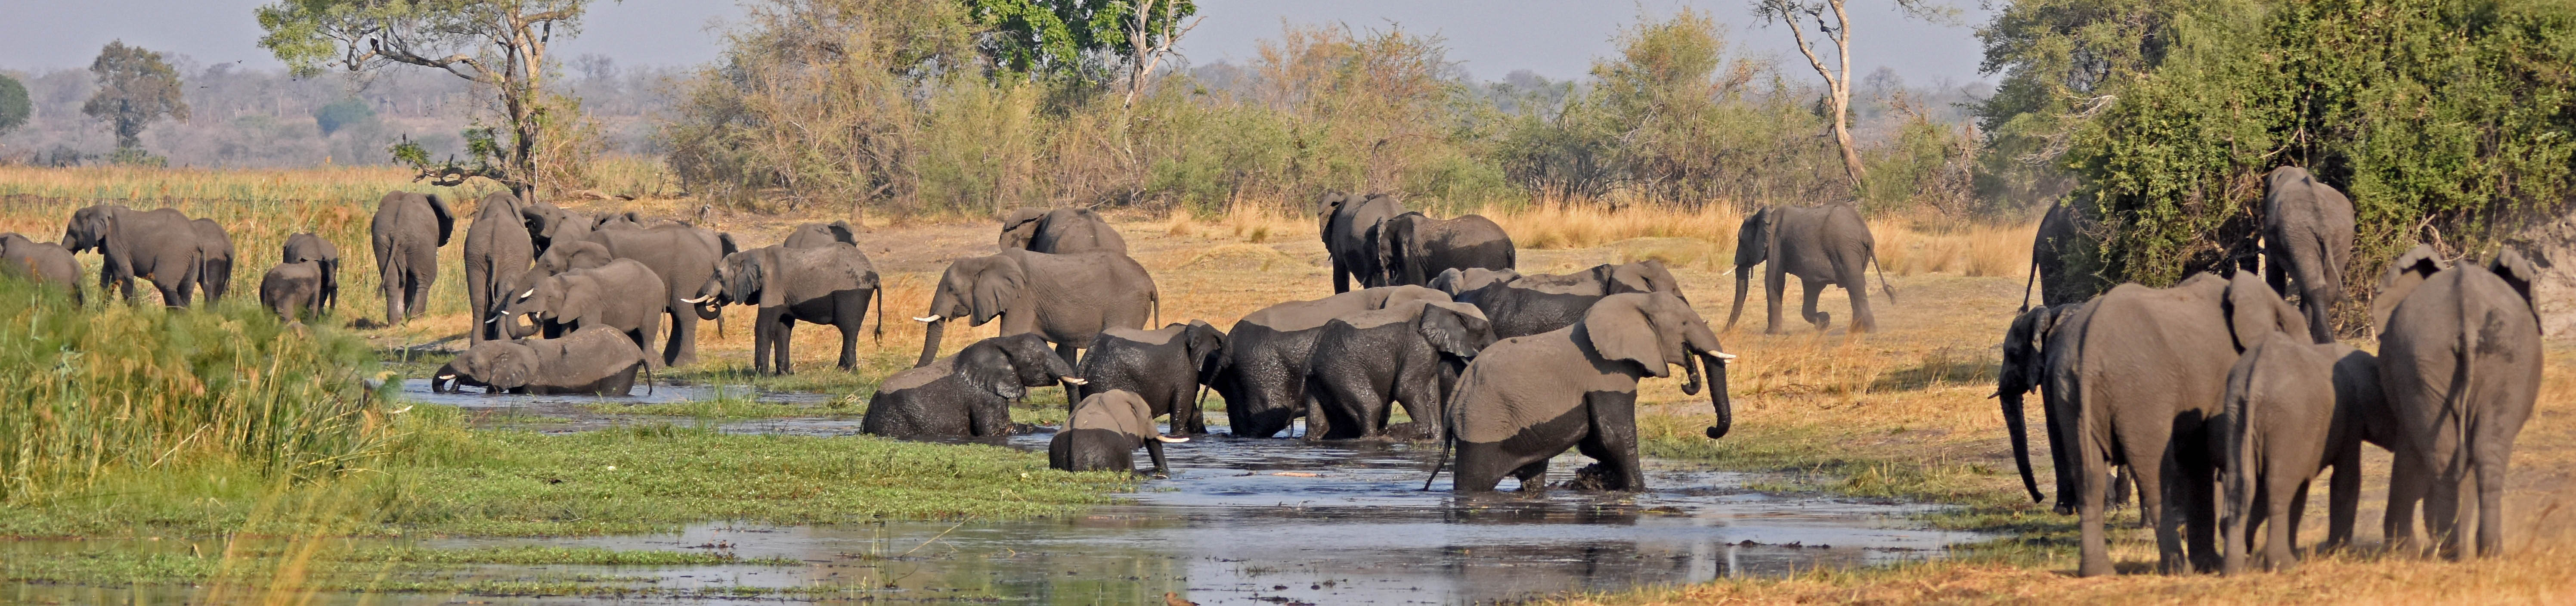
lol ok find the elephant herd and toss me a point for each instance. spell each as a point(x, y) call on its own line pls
point(2247, 398)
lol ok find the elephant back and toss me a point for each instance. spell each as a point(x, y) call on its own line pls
point(915, 377)
point(1116, 410)
point(1524, 382)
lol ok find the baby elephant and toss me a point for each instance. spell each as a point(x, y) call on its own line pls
point(1164, 366)
point(624, 295)
point(294, 290)
point(1104, 432)
point(965, 395)
point(2292, 409)
point(46, 262)
point(595, 360)
point(1365, 362)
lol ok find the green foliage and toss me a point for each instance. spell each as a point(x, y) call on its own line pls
point(135, 87)
point(2060, 61)
point(1068, 38)
point(14, 107)
point(346, 112)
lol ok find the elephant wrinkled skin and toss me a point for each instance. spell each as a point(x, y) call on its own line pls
point(1263, 373)
point(1104, 432)
point(1526, 399)
point(623, 295)
point(964, 395)
point(2460, 360)
point(406, 234)
point(595, 361)
point(1410, 353)
point(1165, 366)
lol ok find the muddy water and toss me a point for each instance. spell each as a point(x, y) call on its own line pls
point(1353, 527)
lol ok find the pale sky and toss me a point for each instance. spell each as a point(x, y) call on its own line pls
point(1489, 38)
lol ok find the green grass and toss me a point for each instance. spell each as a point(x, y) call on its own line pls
point(731, 407)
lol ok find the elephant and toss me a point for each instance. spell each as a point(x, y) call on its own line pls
point(407, 232)
point(1151, 364)
point(1412, 247)
point(215, 271)
point(548, 224)
point(1410, 353)
point(160, 245)
point(813, 235)
point(1104, 432)
point(2025, 368)
point(1060, 231)
point(1456, 281)
point(498, 249)
point(2292, 408)
point(2460, 361)
point(1350, 228)
point(1823, 245)
point(325, 255)
point(1065, 298)
point(2181, 341)
point(822, 285)
point(595, 360)
point(2048, 249)
point(2307, 237)
point(292, 289)
point(43, 262)
point(964, 395)
point(684, 257)
point(1262, 375)
point(1524, 400)
point(624, 294)
point(1535, 303)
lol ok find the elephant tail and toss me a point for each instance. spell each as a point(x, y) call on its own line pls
point(2026, 284)
point(1890, 290)
point(881, 312)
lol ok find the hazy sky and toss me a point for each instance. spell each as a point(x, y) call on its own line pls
point(1556, 38)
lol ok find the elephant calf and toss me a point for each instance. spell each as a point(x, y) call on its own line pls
point(45, 262)
point(1104, 432)
point(1164, 366)
point(964, 395)
point(624, 295)
point(1405, 353)
point(1263, 375)
point(1413, 247)
point(594, 360)
point(308, 247)
point(292, 290)
point(2292, 409)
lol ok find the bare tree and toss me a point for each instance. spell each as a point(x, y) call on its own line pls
point(1150, 40)
point(1833, 26)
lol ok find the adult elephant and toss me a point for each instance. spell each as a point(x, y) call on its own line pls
point(965, 395)
point(1066, 299)
point(684, 257)
point(1535, 303)
point(596, 361)
point(215, 267)
point(498, 249)
point(159, 245)
point(1060, 231)
point(2181, 341)
point(2057, 229)
point(1364, 363)
point(1263, 373)
point(1350, 226)
point(407, 232)
point(1822, 245)
point(827, 285)
point(623, 294)
point(43, 262)
point(2460, 362)
point(812, 235)
point(1165, 366)
point(1526, 400)
point(2307, 237)
point(548, 224)
point(325, 257)
point(1413, 247)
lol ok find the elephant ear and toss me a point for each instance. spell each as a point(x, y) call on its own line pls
point(997, 285)
point(513, 365)
point(446, 218)
point(773, 284)
point(2255, 311)
point(1205, 345)
point(725, 244)
point(1751, 244)
point(1617, 329)
point(2410, 270)
point(2518, 273)
point(575, 301)
point(1456, 329)
point(985, 368)
point(841, 231)
point(1333, 202)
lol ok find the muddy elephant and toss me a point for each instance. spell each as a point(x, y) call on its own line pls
point(1263, 373)
point(406, 234)
point(624, 295)
point(292, 290)
point(813, 235)
point(1066, 299)
point(160, 245)
point(1350, 227)
point(1104, 432)
point(827, 285)
point(498, 249)
point(2058, 229)
point(2181, 340)
point(2292, 409)
point(325, 256)
point(548, 224)
point(1530, 304)
point(1060, 231)
point(1823, 246)
point(1525, 400)
point(42, 262)
point(1165, 366)
point(1412, 247)
point(2307, 239)
point(595, 360)
point(215, 265)
point(1412, 353)
point(2460, 360)
point(684, 257)
point(965, 395)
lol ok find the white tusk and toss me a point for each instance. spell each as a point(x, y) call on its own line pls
point(446, 377)
point(698, 300)
point(1076, 381)
point(1722, 355)
point(928, 318)
point(1168, 439)
point(1727, 273)
point(491, 320)
point(531, 291)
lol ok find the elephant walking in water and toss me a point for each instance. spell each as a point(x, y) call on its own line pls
point(407, 232)
point(2460, 360)
point(1823, 246)
point(2307, 238)
point(1525, 400)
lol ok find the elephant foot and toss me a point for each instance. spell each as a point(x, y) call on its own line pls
point(1824, 320)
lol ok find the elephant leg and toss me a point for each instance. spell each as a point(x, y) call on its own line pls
point(2090, 517)
point(2343, 497)
point(849, 347)
point(2281, 552)
point(1319, 424)
point(1481, 466)
point(1341, 274)
point(1855, 281)
point(2442, 512)
point(1807, 310)
point(682, 349)
point(2490, 474)
point(2233, 527)
point(1614, 439)
point(1773, 283)
point(1533, 476)
point(478, 300)
point(2200, 516)
point(783, 334)
point(2408, 480)
point(2275, 271)
point(2171, 496)
point(1154, 449)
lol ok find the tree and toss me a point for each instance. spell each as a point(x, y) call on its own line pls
point(14, 107)
point(499, 44)
point(1081, 38)
point(135, 87)
point(1837, 77)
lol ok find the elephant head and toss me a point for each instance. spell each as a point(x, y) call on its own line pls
point(1008, 366)
point(1399, 249)
point(750, 277)
point(90, 227)
point(1332, 203)
point(1021, 226)
point(2025, 365)
point(979, 289)
point(570, 256)
point(1644, 276)
point(1205, 346)
point(553, 299)
point(1655, 331)
point(548, 224)
point(820, 234)
point(1755, 242)
point(498, 365)
point(2419, 265)
point(2254, 311)
point(1456, 330)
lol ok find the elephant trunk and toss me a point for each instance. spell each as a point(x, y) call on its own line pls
point(2020, 432)
point(1717, 398)
point(1743, 282)
point(1690, 369)
point(930, 340)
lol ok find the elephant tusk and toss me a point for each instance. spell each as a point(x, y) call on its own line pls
point(928, 318)
point(1168, 439)
point(531, 291)
point(1722, 355)
point(1076, 381)
point(1727, 273)
point(492, 320)
point(698, 300)
point(446, 377)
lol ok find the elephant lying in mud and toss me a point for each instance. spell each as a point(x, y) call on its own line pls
point(596, 360)
point(965, 395)
point(1526, 400)
point(1104, 433)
